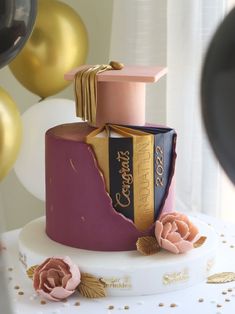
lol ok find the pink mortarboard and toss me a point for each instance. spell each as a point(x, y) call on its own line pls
point(121, 93)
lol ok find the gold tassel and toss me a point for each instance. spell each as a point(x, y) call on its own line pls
point(86, 90)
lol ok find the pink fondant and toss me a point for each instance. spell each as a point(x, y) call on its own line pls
point(146, 74)
point(127, 107)
point(79, 211)
point(175, 232)
point(56, 278)
point(121, 93)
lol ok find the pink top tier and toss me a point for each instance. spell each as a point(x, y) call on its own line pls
point(121, 93)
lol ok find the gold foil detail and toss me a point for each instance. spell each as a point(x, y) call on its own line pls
point(31, 270)
point(91, 287)
point(72, 165)
point(221, 277)
point(144, 181)
point(100, 151)
point(174, 277)
point(117, 283)
point(199, 242)
point(147, 245)
point(127, 179)
point(86, 89)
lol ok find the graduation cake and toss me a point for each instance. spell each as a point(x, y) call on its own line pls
point(110, 222)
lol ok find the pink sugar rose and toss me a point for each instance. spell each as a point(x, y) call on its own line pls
point(175, 232)
point(56, 278)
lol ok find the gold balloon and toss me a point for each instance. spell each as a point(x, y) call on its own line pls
point(10, 132)
point(58, 44)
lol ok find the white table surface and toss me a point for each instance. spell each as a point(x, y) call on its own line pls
point(217, 298)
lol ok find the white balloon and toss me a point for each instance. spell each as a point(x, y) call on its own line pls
point(30, 165)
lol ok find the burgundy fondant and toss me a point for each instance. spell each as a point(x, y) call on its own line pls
point(79, 211)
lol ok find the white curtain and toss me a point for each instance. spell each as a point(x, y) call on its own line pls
point(176, 34)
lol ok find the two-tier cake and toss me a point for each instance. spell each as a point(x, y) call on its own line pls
point(110, 222)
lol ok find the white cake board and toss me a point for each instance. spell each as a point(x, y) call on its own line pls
point(126, 273)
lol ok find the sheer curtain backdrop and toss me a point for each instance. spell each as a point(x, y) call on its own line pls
point(176, 34)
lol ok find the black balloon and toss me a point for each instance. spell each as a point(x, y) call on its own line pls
point(17, 19)
point(218, 94)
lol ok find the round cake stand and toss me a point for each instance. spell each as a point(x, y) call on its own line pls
point(125, 273)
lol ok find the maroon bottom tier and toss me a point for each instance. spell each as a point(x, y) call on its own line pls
point(79, 211)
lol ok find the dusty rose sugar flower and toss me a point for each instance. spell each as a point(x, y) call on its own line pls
point(56, 278)
point(175, 232)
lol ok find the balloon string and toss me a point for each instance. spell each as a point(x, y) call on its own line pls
point(85, 87)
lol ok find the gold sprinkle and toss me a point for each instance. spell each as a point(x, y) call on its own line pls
point(224, 292)
point(43, 302)
point(173, 305)
point(9, 278)
point(17, 287)
point(222, 235)
point(201, 300)
point(126, 307)
point(219, 305)
point(161, 304)
point(230, 289)
point(10, 269)
point(224, 241)
point(227, 300)
point(64, 300)
point(111, 307)
point(21, 293)
point(77, 303)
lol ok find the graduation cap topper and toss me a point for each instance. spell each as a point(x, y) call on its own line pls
point(112, 93)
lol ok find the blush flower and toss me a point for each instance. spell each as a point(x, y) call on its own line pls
point(175, 232)
point(56, 278)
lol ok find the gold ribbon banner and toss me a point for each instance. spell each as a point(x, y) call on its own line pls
point(86, 90)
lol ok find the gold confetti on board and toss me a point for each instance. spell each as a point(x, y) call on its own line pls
point(221, 277)
point(199, 242)
point(91, 287)
point(30, 271)
point(173, 305)
point(147, 245)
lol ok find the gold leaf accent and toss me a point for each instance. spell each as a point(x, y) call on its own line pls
point(91, 287)
point(30, 271)
point(221, 277)
point(147, 245)
point(199, 242)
